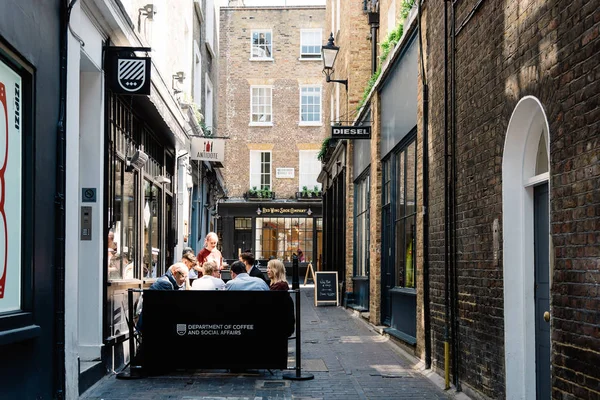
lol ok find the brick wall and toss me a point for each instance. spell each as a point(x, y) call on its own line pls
point(285, 74)
point(508, 50)
point(352, 63)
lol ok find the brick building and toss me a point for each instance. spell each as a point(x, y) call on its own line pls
point(505, 246)
point(271, 109)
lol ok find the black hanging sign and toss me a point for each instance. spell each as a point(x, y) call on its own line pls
point(351, 132)
point(129, 74)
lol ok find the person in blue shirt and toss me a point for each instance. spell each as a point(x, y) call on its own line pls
point(240, 280)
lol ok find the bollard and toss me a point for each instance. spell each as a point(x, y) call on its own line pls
point(298, 375)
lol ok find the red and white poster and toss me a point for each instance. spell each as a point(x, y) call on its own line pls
point(10, 188)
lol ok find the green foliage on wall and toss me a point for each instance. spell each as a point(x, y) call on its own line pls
point(387, 46)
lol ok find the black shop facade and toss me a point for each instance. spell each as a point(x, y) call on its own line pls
point(272, 230)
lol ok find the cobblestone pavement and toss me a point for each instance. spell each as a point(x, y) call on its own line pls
point(347, 358)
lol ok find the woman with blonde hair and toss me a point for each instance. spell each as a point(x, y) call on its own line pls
point(276, 273)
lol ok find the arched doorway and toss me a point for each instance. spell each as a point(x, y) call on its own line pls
point(526, 255)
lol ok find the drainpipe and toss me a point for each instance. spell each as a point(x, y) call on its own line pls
point(455, 322)
point(59, 207)
point(426, 308)
point(446, 214)
point(374, 22)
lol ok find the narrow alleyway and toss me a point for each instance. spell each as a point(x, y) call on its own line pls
point(347, 359)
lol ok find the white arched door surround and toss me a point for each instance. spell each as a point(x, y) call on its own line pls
point(525, 164)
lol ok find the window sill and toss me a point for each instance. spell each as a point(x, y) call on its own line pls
point(209, 47)
point(401, 290)
point(310, 124)
point(260, 124)
point(124, 282)
point(309, 59)
point(19, 334)
point(261, 59)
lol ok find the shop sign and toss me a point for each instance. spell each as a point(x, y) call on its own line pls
point(11, 110)
point(208, 149)
point(129, 74)
point(284, 172)
point(282, 210)
point(351, 132)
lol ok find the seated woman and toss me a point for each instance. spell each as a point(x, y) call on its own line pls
point(276, 273)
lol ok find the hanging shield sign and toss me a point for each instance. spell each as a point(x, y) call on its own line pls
point(131, 75)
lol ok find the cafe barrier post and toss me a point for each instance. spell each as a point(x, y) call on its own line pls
point(135, 370)
point(298, 375)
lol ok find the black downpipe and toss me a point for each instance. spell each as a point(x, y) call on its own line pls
point(455, 321)
point(446, 191)
point(59, 207)
point(426, 307)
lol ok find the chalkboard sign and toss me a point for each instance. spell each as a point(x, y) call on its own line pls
point(326, 288)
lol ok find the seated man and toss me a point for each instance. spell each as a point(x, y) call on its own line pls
point(174, 279)
point(208, 281)
point(240, 280)
point(252, 270)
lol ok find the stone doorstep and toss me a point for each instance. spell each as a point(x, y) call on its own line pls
point(418, 364)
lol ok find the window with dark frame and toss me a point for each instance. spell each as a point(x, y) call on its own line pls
point(16, 209)
point(282, 237)
point(406, 215)
point(361, 226)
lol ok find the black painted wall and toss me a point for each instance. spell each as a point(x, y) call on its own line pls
point(31, 28)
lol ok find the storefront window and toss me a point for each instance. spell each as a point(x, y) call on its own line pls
point(122, 251)
point(14, 180)
point(405, 222)
point(151, 215)
point(319, 253)
point(361, 226)
point(283, 237)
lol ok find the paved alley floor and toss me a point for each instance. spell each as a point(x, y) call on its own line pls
point(347, 358)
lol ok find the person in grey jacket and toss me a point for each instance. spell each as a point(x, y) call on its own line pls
point(240, 280)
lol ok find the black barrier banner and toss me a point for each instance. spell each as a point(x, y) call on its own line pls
point(326, 287)
point(215, 330)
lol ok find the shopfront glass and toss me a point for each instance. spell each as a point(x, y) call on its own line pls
point(122, 255)
point(282, 237)
point(361, 227)
point(151, 213)
point(406, 216)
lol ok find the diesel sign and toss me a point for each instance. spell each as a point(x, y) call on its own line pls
point(351, 132)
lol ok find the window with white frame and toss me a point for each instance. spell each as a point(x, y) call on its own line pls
point(310, 43)
point(260, 169)
point(310, 105)
point(261, 106)
point(208, 109)
point(210, 25)
point(309, 169)
point(261, 46)
point(197, 83)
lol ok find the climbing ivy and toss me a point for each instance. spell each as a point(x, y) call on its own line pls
point(387, 46)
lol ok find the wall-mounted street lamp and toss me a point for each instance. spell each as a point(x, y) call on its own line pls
point(309, 211)
point(147, 11)
point(329, 53)
point(258, 210)
point(178, 77)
